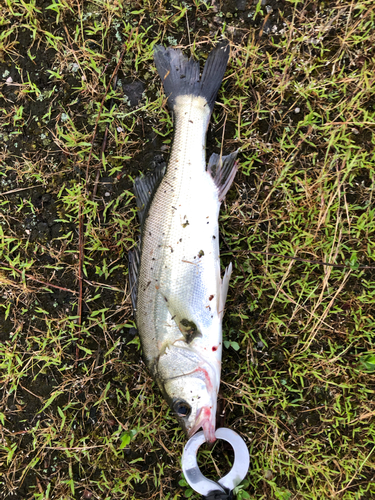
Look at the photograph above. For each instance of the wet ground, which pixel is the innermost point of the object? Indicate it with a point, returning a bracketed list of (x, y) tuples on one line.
[(80, 416)]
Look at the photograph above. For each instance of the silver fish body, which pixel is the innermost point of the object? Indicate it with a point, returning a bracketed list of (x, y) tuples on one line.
[(180, 295)]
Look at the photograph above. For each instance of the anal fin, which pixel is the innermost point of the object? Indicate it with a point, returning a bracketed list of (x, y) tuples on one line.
[(134, 258)]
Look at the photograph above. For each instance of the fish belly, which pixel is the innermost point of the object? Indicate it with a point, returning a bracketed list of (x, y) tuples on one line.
[(179, 276)]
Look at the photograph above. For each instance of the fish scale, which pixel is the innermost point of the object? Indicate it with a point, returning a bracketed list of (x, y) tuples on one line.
[(178, 293)]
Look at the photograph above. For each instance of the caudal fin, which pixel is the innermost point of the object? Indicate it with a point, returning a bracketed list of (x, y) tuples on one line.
[(180, 75)]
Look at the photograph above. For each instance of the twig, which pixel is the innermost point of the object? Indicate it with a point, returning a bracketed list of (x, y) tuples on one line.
[(187, 26), (104, 143), (104, 285), (28, 276), (319, 262), (101, 107), (75, 448), (20, 189), (263, 25), (80, 276)]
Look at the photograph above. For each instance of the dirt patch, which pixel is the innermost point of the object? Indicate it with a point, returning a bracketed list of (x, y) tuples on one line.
[(80, 416)]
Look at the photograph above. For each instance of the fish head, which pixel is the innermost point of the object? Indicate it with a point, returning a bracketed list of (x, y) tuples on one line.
[(190, 380), (193, 399)]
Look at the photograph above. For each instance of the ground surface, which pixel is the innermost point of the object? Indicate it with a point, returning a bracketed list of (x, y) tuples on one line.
[(80, 416)]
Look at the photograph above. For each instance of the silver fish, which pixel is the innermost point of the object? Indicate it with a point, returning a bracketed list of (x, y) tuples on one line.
[(177, 291)]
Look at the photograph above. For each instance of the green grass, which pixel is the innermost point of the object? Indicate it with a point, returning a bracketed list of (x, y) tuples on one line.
[(79, 414)]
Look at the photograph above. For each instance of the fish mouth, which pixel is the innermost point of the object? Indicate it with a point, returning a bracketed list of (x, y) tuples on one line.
[(206, 419)]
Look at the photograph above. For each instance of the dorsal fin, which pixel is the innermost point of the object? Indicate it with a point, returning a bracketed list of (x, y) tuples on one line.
[(223, 170), (145, 188)]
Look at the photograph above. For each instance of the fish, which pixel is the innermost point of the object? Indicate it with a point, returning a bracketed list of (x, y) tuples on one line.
[(177, 292)]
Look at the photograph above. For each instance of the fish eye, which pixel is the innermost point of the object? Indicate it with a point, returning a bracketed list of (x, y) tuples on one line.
[(182, 408)]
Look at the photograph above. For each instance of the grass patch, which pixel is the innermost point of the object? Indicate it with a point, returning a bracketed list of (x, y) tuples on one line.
[(80, 416)]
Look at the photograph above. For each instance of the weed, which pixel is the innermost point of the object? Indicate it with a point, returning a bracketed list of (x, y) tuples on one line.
[(80, 416)]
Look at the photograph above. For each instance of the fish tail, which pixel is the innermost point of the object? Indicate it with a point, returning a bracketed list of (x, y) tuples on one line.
[(181, 76)]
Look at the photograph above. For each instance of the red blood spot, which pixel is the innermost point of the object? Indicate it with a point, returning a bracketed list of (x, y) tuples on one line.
[(211, 297), (214, 348), (207, 412)]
